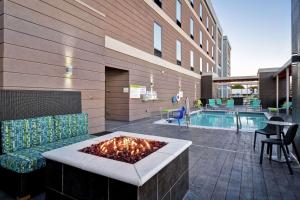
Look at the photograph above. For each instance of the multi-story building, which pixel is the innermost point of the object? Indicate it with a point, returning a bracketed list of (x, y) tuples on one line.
[(226, 66), (226, 57), (116, 53)]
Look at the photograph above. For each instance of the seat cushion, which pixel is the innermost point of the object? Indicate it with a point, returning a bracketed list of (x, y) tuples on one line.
[(23, 161), (26, 133), (28, 160), (62, 143), (42, 130), (15, 135), (67, 126)]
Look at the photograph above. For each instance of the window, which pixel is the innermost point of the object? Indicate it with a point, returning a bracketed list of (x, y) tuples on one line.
[(207, 23), (212, 31), (157, 40), (178, 13), (192, 3), (207, 49), (192, 60), (201, 64), (212, 52), (200, 11), (201, 38), (207, 67), (158, 2), (192, 28), (178, 52)]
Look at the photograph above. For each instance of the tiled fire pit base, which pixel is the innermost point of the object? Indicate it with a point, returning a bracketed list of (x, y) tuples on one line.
[(163, 174)]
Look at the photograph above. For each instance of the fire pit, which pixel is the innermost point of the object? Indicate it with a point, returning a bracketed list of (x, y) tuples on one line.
[(125, 149), (119, 165)]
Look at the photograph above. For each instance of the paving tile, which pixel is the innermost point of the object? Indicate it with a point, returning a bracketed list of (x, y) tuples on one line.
[(222, 164)]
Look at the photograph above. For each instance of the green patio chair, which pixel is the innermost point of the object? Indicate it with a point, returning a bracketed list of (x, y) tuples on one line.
[(212, 104), (230, 104), (284, 106), (219, 102), (255, 104)]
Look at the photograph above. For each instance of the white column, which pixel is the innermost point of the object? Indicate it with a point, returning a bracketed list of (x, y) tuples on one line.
[(287, 89), (222, 90), (277, 92)]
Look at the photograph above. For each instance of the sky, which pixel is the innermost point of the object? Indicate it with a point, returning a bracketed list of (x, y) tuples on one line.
[(259, 32)]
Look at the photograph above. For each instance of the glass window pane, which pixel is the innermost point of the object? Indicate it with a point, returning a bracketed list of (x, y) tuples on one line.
[(207, 45), (200, 10), (192, 58), (191, 26), (207, 22), (201, 64), (178, 10), (157, 37), (178, 50), (201, 38)]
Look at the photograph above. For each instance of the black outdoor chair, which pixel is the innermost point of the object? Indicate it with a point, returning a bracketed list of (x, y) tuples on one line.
[(287, 140), (269, 130)]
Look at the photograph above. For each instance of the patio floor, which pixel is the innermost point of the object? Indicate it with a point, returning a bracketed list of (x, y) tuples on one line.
[(223, 164)]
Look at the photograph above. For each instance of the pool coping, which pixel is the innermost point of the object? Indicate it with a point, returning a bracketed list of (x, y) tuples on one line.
[(164, 122)]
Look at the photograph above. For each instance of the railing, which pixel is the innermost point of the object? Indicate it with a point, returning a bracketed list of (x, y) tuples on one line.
[(238, 122)]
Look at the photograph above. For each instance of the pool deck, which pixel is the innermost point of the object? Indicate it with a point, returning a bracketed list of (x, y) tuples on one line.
[(223, 164)]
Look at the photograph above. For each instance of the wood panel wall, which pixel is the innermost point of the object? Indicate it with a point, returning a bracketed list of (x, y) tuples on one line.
[(1, 42), (42, 37)]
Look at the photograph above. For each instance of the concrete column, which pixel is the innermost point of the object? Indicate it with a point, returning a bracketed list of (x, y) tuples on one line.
[(295, 7), (277, 92), (222, 90), (287, 88)]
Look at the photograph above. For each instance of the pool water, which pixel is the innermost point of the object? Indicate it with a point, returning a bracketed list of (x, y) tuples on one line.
[(227, 120)]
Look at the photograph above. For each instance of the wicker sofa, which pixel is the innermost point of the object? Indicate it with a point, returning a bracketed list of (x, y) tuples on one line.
[(23, 142)]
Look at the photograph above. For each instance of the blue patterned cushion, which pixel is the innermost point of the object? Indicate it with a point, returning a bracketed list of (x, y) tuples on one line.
[(15, 135), (82, 120), (42, 130), (26, 133), (67, 126), (62, 143), (28, 160), (23, 161)]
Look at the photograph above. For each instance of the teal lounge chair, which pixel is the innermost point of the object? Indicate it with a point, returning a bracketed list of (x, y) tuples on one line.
[(219, 102), (255, 104), (283, 107), (230, 104), (212, 104)]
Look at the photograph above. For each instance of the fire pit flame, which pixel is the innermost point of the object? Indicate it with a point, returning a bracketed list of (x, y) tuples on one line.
[(123, 148)]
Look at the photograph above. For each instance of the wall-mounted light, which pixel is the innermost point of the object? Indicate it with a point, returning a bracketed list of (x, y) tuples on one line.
[(69, 71)]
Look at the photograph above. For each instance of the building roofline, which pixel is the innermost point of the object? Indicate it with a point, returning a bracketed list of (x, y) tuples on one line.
[(235, 79), (281, 69), (225, 37), (213, 12), (274, 69)]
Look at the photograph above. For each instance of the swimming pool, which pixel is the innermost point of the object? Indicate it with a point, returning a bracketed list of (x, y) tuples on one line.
[(224, 120)]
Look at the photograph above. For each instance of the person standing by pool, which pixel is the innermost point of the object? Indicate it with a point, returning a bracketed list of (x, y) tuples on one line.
[(187, 112)]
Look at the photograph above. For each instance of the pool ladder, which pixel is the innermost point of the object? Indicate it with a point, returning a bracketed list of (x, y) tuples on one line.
[(238, 122)]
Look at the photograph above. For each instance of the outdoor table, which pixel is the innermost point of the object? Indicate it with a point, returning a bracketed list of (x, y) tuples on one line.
[(278, 124)]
